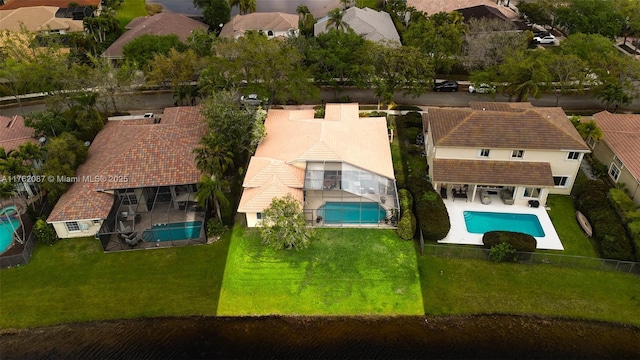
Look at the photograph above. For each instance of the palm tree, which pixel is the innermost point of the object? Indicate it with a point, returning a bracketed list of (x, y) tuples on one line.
[(212, 158), (345, 3), (210, 188), (589, 129), (335, 20), (244, 6), (613, 93)]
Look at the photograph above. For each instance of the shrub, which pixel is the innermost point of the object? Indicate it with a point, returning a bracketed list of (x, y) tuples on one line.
[(45, 233), (634, 232), (406, 200), (432, 216), (407, 225), (518, 241), (215, 228), (589, 186), (502, 252), (413, 120), (621, 202)]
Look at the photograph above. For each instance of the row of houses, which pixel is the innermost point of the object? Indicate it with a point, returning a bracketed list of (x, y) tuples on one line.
[(140, 174)]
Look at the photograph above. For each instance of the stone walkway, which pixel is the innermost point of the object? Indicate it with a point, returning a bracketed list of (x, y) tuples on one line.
[(586, 168)]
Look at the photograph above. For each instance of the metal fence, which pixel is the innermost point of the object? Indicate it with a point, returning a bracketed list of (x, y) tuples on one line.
[(463, 252), (22, 258)]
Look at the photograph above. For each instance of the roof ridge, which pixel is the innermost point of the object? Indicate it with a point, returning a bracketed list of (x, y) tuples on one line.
[(548, 119), (460, 123)]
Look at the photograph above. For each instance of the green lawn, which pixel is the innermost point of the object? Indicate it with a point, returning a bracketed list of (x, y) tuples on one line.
[(466, 286), (74, 281), (573, 239), (343, 272), (129, 10)]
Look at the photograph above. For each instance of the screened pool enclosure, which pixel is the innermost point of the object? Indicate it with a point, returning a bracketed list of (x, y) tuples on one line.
[(339, 194)]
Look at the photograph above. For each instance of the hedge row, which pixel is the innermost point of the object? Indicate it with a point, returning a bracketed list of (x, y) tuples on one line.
[(412, 119), (593, 202), (630, 215), (519, 241), (407, 223), (433, 218)]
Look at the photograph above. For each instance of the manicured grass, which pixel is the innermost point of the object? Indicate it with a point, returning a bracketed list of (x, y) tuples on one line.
[(466, 286), (573, 239), (343, 272), (129, 10), (74, 281), (373, 4)]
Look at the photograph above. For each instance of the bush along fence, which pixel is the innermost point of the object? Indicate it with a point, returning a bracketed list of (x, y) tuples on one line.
[(530, 258)]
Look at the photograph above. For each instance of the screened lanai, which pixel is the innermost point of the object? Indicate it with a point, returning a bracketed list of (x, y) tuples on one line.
[(154, 217), (340, 194)]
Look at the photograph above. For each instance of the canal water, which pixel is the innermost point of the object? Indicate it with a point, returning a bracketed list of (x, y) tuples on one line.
[(318, 8), (481, 336)]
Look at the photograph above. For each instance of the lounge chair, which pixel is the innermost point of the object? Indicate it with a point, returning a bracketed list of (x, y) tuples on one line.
[(507, 197), (485, 199), (133, 239)]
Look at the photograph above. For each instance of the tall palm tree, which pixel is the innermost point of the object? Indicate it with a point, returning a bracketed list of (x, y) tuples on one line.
[(213, 161), (210, 188), (590, 129), (244, 6), (302, 11), (335, 20)]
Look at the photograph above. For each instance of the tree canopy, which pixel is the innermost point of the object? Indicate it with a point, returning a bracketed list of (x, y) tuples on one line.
[(283, 225)]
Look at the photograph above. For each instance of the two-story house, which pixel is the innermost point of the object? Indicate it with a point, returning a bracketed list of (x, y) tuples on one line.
[(520, 152)]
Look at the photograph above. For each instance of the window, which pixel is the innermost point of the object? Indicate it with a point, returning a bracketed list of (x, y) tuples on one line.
[(484, 153), (618, 162), (270, 33), (72, 226), (259, 216), (573, 155), (517, 154), (591, 142), (614, 172), (96, 221), (532, 192), (560, 181)]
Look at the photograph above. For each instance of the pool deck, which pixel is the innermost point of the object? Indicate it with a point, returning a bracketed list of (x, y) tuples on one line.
[(459, 235)]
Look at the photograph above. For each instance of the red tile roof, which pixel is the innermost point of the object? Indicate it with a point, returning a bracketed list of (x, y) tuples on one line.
[(488, 172), (622, 134), (14, 133), (504, 126), (15, 4), (146, 154)]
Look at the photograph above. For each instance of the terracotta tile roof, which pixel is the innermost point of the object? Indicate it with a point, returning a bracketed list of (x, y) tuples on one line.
[(295, 137), (489, 172), (14, 133), (265, 21), (15, 4), (147, 154), (435, 6), (38, 18), (521, 126), (622, 134), (159, 24)]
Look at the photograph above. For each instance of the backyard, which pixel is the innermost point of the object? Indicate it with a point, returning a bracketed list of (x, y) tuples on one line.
[(129, 10)]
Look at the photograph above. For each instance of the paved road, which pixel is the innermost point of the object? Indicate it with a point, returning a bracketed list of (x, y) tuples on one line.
[(153, 101)]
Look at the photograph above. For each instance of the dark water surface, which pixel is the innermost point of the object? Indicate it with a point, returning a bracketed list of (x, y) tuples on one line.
[(318, 8), (481, 336)]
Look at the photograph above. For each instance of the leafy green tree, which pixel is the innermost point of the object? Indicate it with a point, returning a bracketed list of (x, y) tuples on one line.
[(336, 20), (589, 129), (283, 225), (305, 21), (103, 30), (537, 12), (113, 83), (64, 154), (502, 252), (214, 12), (613, 94), (201, 42), (439, 36), (144, 48), (403, 69), (489, 40), (45, 233), (568, 74), (592, 17), (175, 68)]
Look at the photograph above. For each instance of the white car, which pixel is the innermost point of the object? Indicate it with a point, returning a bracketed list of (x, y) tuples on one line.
[(547, 39), (482, 89), (252, 99)]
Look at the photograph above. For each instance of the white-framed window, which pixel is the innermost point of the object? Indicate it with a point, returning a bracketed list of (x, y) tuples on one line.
[(72, 226), (484, 153), (573, 155), (259, 216), (517, 154), (591, 142), (560, 181), (618, 162), (614, 172), (532, 192)]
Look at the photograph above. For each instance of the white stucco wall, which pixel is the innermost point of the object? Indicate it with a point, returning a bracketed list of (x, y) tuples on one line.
[(62, 232)]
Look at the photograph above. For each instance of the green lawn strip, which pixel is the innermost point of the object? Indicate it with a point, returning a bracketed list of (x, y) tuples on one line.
[(573, 239), (74, 281), (342, 272), (466, 286), (129, 10)]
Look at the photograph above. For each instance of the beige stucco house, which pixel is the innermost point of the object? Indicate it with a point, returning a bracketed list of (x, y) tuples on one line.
[(619, 150), (134, 169), (516, 150), (272, 24), (338, 168), (40, 19)]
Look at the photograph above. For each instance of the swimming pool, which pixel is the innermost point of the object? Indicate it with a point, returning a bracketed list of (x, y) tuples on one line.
[(351, 213), (480, 222), (6, 233), (173, 231)]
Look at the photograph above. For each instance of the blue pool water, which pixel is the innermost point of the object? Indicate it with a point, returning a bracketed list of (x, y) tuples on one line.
[(6, 233), (351, 213), (173, 231), (480, 222)]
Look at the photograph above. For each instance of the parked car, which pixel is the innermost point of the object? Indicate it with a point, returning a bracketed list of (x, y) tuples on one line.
[(540, 33), (251, 99), (482, 89), (547, 39), (447, 85)]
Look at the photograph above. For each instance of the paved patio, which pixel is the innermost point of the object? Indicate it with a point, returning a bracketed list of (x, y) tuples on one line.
[(459, 235)]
